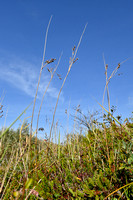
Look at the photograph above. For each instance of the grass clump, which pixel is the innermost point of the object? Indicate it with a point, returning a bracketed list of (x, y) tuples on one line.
[(94, 164), (90, 172)]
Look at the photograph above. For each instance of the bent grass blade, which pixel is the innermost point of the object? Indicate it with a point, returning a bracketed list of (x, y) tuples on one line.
[(15, 121)]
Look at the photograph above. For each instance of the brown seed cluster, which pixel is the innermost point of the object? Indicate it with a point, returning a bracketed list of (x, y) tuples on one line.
[(1, 111), (50, 61)]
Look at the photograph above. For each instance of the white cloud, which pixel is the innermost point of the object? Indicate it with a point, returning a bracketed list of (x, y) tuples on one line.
[(24, 76)]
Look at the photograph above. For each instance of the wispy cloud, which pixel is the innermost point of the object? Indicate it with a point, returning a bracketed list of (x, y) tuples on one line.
[(130, 100), (24, 76)]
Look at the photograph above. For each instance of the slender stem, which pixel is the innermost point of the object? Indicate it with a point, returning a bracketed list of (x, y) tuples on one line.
[(42, 66), (45, 93), (65, 80)]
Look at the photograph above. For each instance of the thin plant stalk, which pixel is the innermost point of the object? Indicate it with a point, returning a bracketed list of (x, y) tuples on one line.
[(59, 147), (45, 93), (108, 98), (129, 184), (52, 75), (106, 68), (3, 128), (70, 66), (112, 75), (15, 121), (74, 138), (7, 170), (18, 159), (32, 190), (2, 97), (42, 66), (107, 82)]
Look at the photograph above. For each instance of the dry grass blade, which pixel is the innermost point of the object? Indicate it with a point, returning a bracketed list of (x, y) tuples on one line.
[(129, 184), (7, 170), (45, 93), (108, 79), (42, 66), (15, 159), (106, 68), (33, 191), (65, 80)]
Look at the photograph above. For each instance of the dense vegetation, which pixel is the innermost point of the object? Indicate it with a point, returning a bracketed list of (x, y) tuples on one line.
[(95, 163), (89, 166)]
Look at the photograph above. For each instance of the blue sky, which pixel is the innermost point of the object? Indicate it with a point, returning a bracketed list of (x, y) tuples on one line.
[(23, 25)]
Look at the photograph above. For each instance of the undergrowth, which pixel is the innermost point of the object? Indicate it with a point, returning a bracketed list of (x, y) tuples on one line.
[(82, 167)]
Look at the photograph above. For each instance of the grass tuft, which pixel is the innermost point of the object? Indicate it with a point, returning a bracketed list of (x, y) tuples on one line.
[(95, 163)]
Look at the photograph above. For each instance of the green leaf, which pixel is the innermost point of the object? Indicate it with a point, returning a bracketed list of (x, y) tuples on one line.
[(71, 191), (130, 160)]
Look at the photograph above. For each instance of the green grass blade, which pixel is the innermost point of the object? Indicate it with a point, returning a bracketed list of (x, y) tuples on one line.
[(4, 153), (15, 121), (59, 146)]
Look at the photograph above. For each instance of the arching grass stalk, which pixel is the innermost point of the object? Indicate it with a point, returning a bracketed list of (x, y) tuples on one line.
[(52, 75), (45, 93), (106, 68), (107, 82), (129, 184), (108, 79), (14, 121), (70, 66), (42, 66)]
